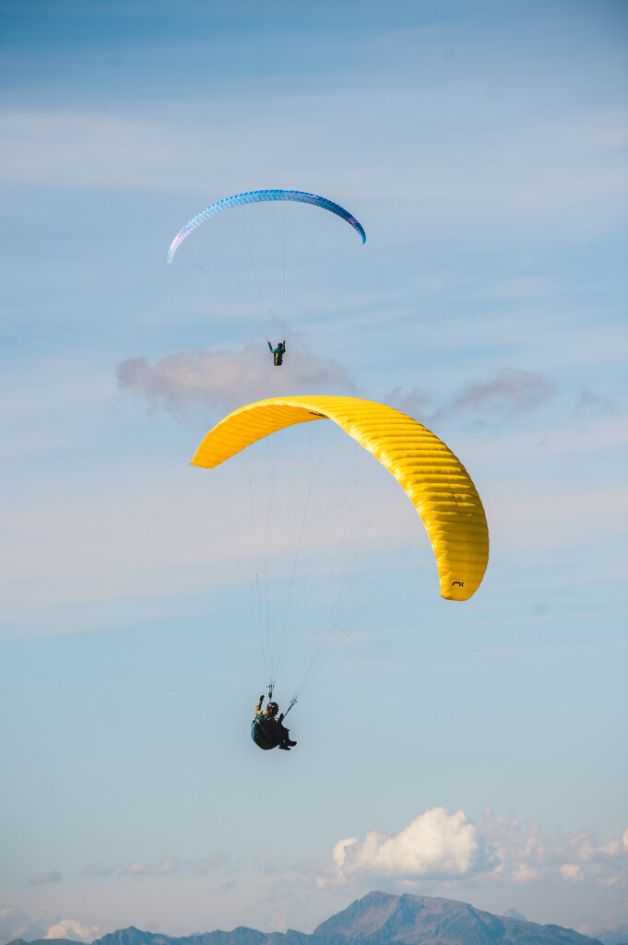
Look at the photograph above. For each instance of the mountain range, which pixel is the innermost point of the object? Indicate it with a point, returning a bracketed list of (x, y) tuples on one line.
[(376, 919)]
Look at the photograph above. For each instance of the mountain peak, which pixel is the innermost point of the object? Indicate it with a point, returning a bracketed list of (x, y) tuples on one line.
[(382, 919), (361, 918)]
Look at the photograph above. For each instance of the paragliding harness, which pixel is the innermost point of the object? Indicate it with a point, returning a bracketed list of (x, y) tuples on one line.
[(268, 732), (278, 353)]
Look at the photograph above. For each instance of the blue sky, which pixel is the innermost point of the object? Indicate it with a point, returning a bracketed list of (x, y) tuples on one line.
[(474, 751)]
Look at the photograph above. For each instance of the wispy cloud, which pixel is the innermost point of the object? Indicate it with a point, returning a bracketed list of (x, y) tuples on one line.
[(574, 182), (512, 391), (222, 380), (42, 879), (90, 150), (592, 404), (503, 396), (219, 381), (167, 866)]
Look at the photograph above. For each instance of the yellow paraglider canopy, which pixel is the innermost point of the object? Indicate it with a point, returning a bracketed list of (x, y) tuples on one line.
[(433, 478)]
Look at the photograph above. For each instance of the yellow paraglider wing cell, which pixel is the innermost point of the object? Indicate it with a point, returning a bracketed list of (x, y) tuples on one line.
[(433, 478)]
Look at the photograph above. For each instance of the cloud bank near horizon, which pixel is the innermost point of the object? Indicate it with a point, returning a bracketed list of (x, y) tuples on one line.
[(16, 923), (438, 845)]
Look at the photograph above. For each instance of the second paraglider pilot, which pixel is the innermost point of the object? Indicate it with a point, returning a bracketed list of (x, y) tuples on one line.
[(278, 353)]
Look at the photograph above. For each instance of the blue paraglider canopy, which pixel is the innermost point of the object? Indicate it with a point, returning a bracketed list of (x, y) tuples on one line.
[(262, 196)]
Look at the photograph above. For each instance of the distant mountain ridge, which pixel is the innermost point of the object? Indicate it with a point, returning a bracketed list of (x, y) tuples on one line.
[(376, 919)]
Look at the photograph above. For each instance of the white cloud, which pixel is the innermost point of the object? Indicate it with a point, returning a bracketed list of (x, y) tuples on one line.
[(166, 866), (435, 843), (571, 871), (223, 380), (72, 929)]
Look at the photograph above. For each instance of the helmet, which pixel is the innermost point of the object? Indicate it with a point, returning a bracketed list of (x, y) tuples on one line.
[(272, 708)]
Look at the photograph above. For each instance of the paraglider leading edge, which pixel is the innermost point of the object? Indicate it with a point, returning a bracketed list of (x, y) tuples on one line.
[(263, 196)]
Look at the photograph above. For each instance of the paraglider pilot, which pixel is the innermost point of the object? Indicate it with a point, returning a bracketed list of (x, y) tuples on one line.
[(268, 730), (278, 352)]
